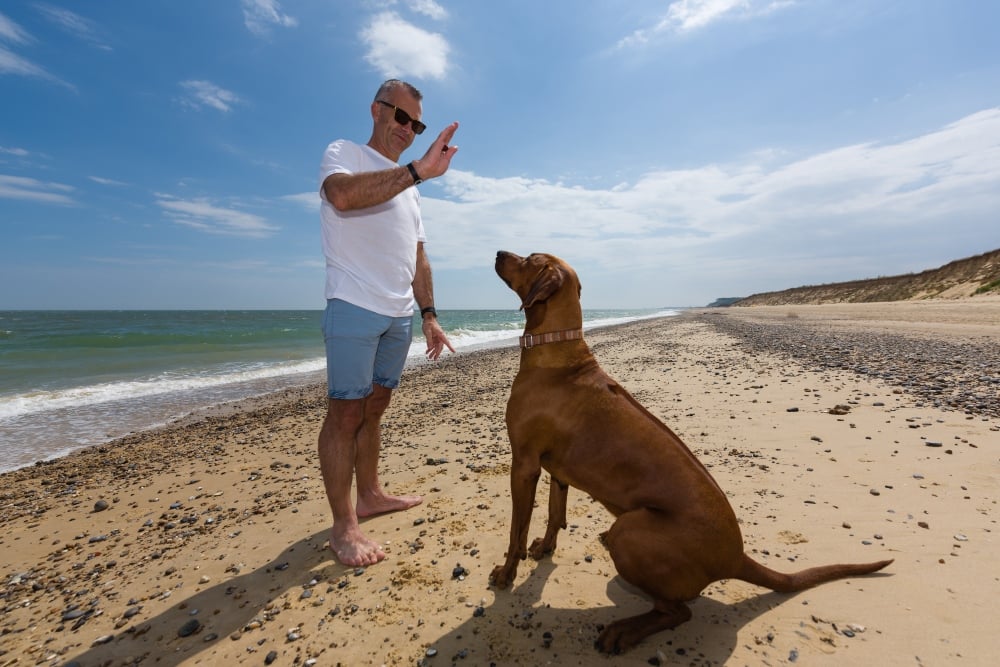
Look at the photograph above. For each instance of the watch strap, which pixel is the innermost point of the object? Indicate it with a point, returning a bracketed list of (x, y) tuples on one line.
[(413, 172)]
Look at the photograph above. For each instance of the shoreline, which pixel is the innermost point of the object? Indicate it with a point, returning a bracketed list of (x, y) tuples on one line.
[(218, 526), (53, 421)]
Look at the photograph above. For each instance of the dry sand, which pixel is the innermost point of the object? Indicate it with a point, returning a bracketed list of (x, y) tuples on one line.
[(218, 527)]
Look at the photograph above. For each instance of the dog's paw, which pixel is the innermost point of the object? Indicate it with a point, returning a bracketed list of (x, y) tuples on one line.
[(614, 641), (502, 576), (541, 548)]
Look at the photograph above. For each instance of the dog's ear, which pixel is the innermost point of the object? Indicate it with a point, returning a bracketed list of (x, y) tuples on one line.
[(548, 281)]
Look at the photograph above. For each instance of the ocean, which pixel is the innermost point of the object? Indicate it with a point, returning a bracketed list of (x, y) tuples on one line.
[(71, 379)]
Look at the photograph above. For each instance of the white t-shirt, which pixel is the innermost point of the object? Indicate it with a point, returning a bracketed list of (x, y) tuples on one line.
[(371, 253)]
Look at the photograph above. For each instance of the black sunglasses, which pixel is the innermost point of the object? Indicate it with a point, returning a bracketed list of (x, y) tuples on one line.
[(403, 118)]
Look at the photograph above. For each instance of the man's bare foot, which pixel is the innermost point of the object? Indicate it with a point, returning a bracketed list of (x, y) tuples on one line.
[(383, 504), (354, 549)]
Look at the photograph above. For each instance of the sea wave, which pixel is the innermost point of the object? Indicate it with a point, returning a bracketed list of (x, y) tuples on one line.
[(165, 383), (43, 423)]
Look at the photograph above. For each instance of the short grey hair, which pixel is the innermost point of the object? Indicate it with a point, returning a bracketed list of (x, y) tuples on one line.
[(392, 84)]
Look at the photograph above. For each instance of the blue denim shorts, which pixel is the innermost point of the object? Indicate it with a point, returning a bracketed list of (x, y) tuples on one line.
[(362, 348)]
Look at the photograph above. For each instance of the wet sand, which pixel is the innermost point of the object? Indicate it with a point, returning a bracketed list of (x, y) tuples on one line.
[(204, 543)]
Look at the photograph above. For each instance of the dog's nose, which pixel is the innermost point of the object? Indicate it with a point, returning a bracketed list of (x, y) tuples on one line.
[(501, 254)]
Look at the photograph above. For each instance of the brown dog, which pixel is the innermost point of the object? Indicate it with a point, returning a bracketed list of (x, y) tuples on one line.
[(674, 532)]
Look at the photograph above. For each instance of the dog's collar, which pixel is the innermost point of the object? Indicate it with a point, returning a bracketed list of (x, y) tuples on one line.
[(533, 340)]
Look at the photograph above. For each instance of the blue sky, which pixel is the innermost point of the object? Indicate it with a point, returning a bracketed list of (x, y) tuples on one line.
[(164, 153)]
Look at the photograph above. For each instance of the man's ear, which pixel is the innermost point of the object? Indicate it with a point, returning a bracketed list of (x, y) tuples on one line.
[(549, 280)]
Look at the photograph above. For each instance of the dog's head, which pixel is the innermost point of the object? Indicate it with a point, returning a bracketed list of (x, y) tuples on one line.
[(546, 285)]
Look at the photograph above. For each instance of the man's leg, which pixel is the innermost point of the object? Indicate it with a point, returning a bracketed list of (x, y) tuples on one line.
[(372, 499), (352, 336), (338, 457)]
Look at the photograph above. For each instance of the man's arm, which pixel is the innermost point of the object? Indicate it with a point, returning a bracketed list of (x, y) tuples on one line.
[(423, 292), (423, 283), (348, 192)]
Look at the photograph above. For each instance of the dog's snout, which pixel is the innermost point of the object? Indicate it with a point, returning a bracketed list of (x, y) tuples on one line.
[(500, 266)]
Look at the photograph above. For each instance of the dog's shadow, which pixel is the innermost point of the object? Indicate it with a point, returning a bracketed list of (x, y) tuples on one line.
[(519, 628)]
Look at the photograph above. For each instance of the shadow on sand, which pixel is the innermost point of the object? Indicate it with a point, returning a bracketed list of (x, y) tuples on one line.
[(221, 610), (519, 629)]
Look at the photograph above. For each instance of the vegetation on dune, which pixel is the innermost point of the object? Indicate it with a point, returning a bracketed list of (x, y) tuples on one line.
[(993, 286), (967, 277)]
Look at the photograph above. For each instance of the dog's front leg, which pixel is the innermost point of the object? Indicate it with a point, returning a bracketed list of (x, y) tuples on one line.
[(524, 476), (557, 519)]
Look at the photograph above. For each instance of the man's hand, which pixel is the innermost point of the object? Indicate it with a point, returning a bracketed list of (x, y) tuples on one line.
[(436, 338), (437, 159)]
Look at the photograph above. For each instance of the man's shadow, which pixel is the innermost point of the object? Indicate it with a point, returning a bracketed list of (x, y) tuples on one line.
[(517, 629), (222, 610)]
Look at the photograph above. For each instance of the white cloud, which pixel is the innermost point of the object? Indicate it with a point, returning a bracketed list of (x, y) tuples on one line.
[(260, 15), (106, 181), (205, 216), (30, 189), (12, 32), (207, 94), (73, 23), (429, 8), (855, 199), (19, 152), (307, 200), (690, 15), (398, 48), (144, 261), (12, 63)]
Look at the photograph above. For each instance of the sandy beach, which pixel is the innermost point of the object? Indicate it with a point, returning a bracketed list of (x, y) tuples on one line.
[(840, 433)]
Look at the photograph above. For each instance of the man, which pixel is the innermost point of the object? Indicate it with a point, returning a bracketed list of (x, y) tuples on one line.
[(376, 267)]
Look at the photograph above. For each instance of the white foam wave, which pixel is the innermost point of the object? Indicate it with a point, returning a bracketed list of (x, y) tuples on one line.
[(74, 397), (465, 339), (611, 321)]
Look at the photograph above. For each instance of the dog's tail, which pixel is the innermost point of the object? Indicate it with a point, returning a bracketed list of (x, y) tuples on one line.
[(755, 573)]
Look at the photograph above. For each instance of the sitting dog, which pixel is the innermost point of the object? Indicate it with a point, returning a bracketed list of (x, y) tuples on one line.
[(674, 531)]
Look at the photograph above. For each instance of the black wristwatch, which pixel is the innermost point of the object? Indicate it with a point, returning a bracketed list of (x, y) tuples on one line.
[(413, 172), (428, 309)]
